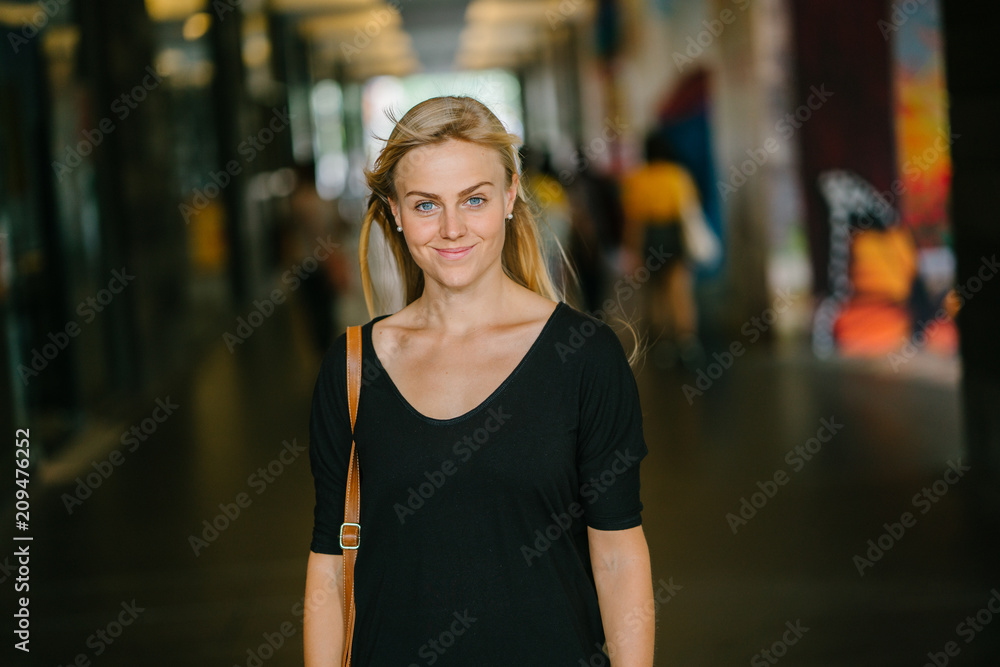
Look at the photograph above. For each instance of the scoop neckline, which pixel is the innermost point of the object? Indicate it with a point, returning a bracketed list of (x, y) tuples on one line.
[(367, 338)]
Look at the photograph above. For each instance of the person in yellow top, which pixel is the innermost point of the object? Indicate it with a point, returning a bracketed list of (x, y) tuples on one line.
[(661, 207)]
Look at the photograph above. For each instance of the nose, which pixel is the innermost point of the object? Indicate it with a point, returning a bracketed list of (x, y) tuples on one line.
[(452, 224)]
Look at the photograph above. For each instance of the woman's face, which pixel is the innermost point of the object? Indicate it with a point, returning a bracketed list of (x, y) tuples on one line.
[(451, 202)]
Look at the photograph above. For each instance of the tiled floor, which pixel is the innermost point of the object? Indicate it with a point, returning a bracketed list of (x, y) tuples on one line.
[(128, 554)]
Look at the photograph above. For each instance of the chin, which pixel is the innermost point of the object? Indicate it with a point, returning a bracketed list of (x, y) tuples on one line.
[(455, 280), (456, 276)]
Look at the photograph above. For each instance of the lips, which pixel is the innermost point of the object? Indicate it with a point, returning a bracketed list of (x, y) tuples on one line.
[(454, 253)]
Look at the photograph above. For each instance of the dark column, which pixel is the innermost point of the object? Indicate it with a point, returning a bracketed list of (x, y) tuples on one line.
[(140, 228), (230, 107), (840, 49), (971, 53), (33, 305)]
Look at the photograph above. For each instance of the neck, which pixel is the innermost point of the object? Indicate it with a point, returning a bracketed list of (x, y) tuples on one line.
[(458, 312)]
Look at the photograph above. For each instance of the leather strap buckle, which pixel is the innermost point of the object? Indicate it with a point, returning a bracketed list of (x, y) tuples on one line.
[(354, 536)]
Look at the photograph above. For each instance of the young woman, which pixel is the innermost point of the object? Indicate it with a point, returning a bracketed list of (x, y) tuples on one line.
[(499, 433)]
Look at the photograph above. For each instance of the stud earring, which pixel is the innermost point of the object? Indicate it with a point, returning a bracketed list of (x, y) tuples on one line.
[(398, 228), (510, 216)]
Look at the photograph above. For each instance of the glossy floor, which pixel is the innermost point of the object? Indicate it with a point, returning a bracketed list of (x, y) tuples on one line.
[(825, 455)]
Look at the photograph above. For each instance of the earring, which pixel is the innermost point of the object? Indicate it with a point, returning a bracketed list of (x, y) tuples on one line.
[(398, 228), (510, 216)]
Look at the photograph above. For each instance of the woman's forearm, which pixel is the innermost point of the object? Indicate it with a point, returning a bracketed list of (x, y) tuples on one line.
[(324, 611), (625, 593)]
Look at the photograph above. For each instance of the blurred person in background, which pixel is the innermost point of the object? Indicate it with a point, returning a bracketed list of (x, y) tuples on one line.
[(595, 205), (504, 405), (553, 212), (665, 229)]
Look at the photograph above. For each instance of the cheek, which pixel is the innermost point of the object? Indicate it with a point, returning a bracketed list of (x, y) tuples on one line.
[(417, 233), (485, 225), (496, 225), (419, 229)]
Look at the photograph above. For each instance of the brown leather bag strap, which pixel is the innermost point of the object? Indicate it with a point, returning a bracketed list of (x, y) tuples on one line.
[(350, 531)]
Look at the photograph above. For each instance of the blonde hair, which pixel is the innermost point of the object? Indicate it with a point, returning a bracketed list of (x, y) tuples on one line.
[(435, 121)]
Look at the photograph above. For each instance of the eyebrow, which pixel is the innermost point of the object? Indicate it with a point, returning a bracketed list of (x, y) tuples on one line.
[(464, 192)]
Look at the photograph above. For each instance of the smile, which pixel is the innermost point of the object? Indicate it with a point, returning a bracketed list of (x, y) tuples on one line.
[(454, 253)]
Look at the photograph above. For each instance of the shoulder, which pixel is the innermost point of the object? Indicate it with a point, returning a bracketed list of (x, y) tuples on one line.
[(590, 355), (585, 338), (334, 363)]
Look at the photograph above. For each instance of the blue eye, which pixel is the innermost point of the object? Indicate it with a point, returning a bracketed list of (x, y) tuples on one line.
[(425, 206), (476, 201)]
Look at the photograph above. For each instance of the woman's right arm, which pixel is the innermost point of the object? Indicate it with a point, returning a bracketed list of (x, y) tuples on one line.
[(324, 610)]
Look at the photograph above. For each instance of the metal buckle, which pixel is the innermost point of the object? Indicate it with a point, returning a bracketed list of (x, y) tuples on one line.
[(357, 537)]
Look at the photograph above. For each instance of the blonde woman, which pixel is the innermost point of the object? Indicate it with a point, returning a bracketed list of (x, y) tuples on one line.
[(499, 434)]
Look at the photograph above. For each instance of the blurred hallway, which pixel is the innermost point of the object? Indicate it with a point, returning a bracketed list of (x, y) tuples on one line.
[(730, 596), (823, 484)]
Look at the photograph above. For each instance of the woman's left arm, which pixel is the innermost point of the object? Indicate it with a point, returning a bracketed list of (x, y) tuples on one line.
[(622, 572)]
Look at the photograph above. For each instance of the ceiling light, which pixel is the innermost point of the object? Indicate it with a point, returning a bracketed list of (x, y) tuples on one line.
[(196, 26), (173, 10)]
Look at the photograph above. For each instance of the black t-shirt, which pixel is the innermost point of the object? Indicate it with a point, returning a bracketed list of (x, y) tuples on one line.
[(474, 529)]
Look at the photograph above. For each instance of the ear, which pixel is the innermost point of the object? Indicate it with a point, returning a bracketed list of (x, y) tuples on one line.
[(511, 194), (394, 206)]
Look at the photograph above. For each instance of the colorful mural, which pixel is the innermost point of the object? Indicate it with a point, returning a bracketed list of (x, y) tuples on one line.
[(922, 137), (889, 265)]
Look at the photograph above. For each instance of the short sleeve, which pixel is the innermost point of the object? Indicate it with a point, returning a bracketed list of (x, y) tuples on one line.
[(610, 442), (330, 448)]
